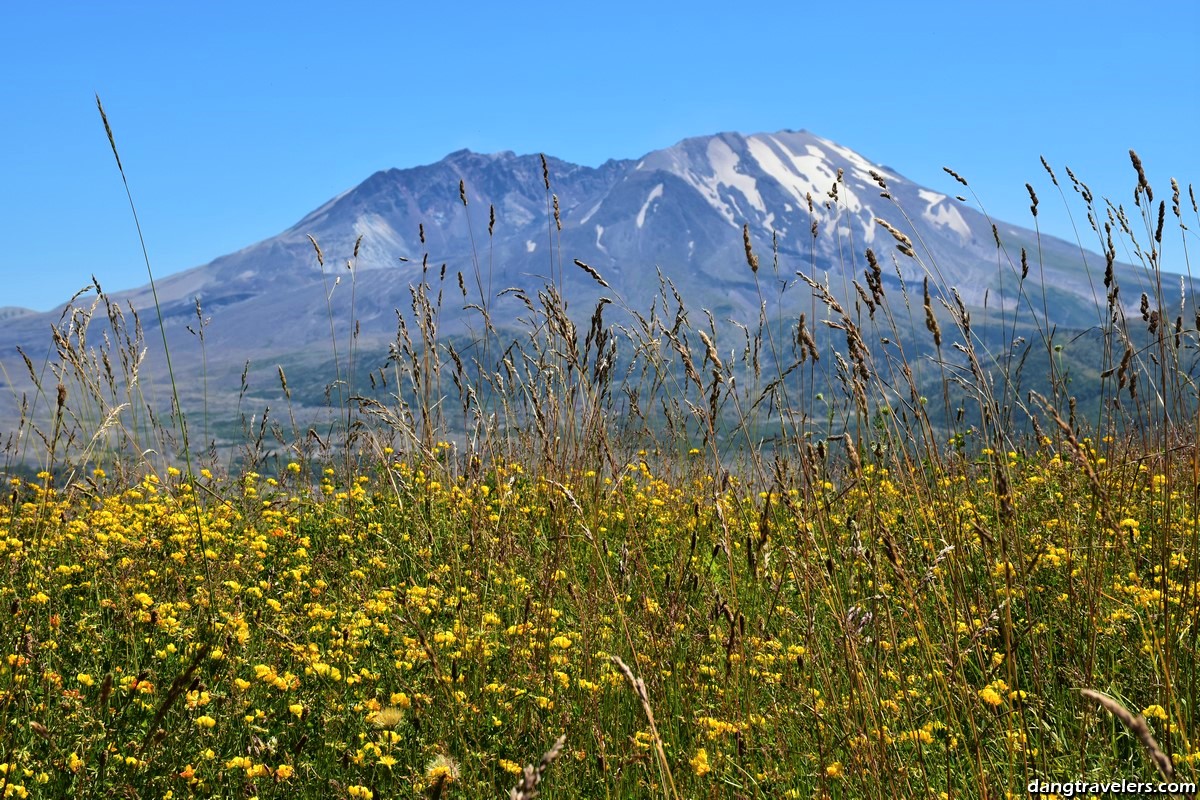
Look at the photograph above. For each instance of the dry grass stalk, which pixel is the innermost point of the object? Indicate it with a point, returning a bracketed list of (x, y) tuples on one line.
[(590, 271), (751, 259), (955, 175), (317, 247), (895, 232), (1046, 166), (1136, 725), (178, 687), (805, 340), (931, 322), (639, 687), (710, 352), (532, 776), (1143, 184), (823, 294)]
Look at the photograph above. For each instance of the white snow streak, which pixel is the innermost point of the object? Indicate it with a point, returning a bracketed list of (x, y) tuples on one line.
[(941, 212), (810, 173), (800, 176), (655, 193), (860, 166), (588, 215), (376, 232), (724, 161)]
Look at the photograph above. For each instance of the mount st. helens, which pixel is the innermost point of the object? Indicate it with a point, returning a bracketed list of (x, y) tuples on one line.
[(810, 205)]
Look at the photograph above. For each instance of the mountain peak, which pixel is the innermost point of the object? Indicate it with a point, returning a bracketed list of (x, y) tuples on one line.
[(468, 155), (812, 203)]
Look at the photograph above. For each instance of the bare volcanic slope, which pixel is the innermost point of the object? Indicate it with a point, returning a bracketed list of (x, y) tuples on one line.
[(809, 204)]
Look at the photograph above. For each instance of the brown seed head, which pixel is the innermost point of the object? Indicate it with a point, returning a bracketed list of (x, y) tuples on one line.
[(1136, 725), (955, 175), (931, 322), (751, 259), (317, 247), (1049, 171), (595, 275), (1143, 184)]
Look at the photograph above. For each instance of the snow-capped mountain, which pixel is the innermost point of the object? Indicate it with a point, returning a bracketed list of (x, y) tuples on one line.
[(810, 204)]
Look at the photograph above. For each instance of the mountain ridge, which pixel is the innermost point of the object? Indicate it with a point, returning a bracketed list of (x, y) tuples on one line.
[(809, 203)]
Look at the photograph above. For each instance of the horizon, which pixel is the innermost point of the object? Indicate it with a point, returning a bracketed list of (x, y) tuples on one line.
[(233, 123)]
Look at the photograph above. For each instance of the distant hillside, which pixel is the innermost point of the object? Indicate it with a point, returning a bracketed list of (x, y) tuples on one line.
[(11, 312)]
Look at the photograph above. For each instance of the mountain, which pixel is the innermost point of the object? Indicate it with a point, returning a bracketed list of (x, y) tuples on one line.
[(808, 202)]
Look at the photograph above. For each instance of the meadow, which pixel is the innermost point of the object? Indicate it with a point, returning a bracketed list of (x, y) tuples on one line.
[(859, 555)]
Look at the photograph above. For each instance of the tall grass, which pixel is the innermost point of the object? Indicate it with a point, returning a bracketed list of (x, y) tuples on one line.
[(875, 548)]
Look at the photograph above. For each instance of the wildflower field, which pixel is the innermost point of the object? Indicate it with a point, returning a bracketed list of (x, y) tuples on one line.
[(894, 579)]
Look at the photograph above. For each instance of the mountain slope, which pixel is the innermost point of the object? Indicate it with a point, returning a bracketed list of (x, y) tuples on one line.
[(810, 202)]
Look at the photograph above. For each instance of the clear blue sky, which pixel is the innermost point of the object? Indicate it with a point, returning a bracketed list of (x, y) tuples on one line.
[(236, 119)]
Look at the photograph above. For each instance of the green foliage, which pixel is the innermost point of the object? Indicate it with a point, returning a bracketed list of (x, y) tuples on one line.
[(875, 552)]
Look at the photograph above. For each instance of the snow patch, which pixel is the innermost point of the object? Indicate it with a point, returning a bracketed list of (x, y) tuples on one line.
[(724, 161), (869, 229), (814, 172), (375, 229), (940, 212), (599, 233), (589, 214), (859, 165), (655, 193), (800, 175), (811, 172), (530, 246), (515, 214)]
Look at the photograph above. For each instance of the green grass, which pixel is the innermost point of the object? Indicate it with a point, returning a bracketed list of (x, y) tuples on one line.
[(887, 573)]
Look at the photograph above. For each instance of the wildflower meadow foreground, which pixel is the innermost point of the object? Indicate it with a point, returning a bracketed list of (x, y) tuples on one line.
[(859, 557), (406, 631)]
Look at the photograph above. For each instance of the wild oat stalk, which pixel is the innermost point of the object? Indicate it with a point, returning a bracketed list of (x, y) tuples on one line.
[(187, 450), (639, 687), (532, 776), (1138, 727)]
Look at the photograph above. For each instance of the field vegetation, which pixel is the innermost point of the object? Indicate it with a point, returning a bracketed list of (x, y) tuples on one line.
[(870, 544)]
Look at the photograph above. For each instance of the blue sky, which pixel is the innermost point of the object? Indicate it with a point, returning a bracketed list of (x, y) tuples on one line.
[(236, 119)]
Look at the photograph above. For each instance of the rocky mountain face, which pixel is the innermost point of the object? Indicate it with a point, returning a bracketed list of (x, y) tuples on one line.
[(808, 204)]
